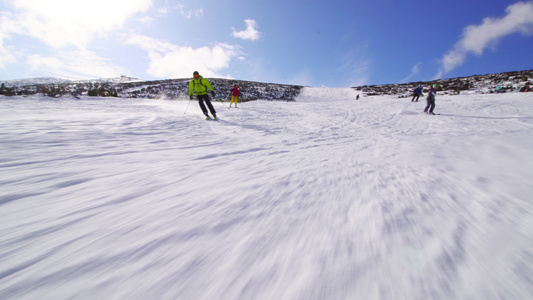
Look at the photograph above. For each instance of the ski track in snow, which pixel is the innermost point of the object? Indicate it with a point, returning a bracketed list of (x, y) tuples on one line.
[(322, 198)]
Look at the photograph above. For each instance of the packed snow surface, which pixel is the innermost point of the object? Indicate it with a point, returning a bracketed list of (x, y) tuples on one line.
[(322, 198)]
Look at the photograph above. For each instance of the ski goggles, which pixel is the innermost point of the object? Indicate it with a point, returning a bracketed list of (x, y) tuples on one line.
[(196, 76)]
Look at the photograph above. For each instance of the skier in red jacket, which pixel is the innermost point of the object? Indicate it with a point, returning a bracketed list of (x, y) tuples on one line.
[(235, 95)]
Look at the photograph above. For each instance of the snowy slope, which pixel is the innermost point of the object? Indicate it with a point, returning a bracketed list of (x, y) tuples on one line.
[(322, 198)]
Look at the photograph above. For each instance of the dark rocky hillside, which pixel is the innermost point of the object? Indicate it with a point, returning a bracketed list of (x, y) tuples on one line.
[(158, 89), (509, 82), (179, 88), (126, 87)]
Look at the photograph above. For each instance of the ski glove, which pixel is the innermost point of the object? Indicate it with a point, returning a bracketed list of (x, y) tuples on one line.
[(190, 97), (213, 93)]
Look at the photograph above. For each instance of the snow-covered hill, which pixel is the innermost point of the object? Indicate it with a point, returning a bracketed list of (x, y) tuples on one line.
[(127, 87), (179, 89), (324, 197), (20, 83), (508, 81)]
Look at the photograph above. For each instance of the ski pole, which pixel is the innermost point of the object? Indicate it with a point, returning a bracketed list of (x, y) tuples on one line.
[(227, 99), (222, 103), (187, 106)]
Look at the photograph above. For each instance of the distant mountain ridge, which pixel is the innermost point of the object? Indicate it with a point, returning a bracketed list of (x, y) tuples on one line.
[(508, 81), (34, 81), (129, 87), (55, 80)]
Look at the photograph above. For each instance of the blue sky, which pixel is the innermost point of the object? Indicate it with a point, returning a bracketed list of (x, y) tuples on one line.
[(314, 43)]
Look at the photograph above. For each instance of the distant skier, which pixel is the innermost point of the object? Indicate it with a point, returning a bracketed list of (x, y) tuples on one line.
[(431, 100), (357, 98), (417, 93), (235, 95), (200, 85)]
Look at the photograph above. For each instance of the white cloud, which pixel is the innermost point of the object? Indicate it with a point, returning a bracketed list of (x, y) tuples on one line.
[(250, 33), (359, 73), (304, 78), (7, 26), (414, 71), (61, 23), (5, 56), (163, 12), (37, 62), (188, 13), (476, 38), (146, 20), (171, 61), (356, 63), (80, 64)]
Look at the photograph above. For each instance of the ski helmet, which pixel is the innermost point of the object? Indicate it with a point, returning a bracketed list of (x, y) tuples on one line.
[(195, 73), (436, 86)]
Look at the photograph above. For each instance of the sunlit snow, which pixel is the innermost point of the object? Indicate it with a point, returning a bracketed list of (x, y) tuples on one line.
[(322, 198)]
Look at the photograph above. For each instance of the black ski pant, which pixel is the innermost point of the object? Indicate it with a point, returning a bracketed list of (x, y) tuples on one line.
[(431, 105), (201, 99), (415, 96)]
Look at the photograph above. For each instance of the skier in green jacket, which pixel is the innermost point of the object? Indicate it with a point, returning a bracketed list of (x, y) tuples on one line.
[(200, 85)]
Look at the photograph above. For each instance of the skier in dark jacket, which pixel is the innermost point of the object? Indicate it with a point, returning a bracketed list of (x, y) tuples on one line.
[(200, 85), (431, 100), (417, 93)]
